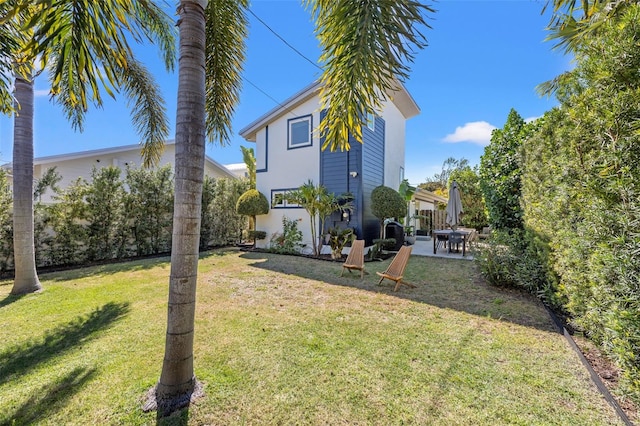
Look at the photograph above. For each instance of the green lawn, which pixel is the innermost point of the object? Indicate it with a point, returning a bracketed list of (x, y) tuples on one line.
[(285, 340)]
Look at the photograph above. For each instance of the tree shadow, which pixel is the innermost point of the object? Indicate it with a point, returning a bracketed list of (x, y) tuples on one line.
[(19, 359), (114, 266), (444, 283), (50, 398), (10, 299)]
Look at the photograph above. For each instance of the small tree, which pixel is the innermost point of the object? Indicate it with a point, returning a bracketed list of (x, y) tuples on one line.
[(252, 203), (406, 191), (319, 203), (387, 203)]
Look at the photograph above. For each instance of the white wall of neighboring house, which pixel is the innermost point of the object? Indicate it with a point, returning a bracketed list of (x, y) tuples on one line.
[(80, 164)]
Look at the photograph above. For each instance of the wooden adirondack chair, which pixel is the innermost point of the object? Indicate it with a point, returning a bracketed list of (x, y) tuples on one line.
[(355, 258), (395, 271)]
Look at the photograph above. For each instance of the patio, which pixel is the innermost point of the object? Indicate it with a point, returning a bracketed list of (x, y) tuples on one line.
[(424, 247)]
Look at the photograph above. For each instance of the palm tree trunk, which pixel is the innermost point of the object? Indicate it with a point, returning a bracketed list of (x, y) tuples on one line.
[(26, 277), (177, 381)]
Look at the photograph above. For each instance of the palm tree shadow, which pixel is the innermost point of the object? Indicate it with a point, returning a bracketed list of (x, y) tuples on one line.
[(19, 359), (50, 398), (10, 299)]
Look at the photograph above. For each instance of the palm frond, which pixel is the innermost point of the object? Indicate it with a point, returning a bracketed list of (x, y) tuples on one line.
[(226, 31), (572, 23), (367, 47), (149, 113)]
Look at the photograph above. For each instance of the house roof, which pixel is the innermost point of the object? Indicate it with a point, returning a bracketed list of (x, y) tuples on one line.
[(108, 151), (400, 97)]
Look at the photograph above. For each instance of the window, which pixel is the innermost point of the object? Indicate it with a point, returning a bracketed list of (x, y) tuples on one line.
[(371, 121), (299, 134), (279, 201)]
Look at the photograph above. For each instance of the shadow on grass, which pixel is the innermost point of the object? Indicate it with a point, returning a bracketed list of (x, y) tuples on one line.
[(445, 283), (114, 266), (10, 299), (50, 398), (18, 360)]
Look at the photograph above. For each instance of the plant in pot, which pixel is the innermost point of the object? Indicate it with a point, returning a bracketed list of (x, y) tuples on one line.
[(338, 239), (409, 237)]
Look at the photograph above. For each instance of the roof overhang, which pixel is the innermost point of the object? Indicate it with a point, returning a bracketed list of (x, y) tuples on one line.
[(398, 95)]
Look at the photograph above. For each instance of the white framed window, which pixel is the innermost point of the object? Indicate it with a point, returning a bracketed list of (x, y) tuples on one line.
[(279, 201), (371, 121), (299, 132)]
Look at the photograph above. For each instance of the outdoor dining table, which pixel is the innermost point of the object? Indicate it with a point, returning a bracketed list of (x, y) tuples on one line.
[(447, 232)]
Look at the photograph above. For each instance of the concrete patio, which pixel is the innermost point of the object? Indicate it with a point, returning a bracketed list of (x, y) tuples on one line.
[(424, 247)]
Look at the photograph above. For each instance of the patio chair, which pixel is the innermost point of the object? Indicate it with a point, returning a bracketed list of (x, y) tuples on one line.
[(355, 258), (441, 239), (455, 238), (395, 270)]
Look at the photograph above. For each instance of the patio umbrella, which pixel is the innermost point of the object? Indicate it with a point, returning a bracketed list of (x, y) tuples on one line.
[(454, 206)]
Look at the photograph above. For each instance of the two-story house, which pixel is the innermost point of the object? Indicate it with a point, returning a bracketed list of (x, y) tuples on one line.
[(288, 154)]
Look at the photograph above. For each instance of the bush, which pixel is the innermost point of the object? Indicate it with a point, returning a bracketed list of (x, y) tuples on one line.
[(507, 260), (252, 203), (387, 202), (257, 235), (289, 241)]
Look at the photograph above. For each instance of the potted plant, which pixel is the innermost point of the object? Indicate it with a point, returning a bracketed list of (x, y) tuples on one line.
[(409, 237)]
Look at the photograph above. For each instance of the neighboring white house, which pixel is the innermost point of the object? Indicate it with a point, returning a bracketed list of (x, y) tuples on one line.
[(80, 164), (288, 154), (238, 169)]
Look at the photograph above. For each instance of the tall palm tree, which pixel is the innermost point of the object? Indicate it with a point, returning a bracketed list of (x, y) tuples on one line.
[(82, 47), (367, 45)]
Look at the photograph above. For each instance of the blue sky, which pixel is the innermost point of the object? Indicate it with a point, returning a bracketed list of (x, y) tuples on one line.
[(484, 58)]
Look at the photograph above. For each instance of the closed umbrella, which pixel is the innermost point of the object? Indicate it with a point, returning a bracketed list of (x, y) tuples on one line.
[(454, 206)]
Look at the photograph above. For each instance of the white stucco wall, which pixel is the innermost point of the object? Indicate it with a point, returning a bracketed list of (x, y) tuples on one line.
[(395, 131), (71, 168), (286, 169)]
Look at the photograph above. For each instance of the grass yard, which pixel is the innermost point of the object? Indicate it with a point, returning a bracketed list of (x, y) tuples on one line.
[(285, 340)]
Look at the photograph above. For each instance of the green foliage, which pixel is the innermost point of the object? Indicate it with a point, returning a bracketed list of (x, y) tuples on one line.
[(338, 239), (257, 235), (319, 203), (500, 173), (149, 209), (289, 241), (387, 203), (106, 215), (471, 196), (249, 159), (221, 224), (385, 243), (49, 180), (439, 182), (580, 192), (66, 220), (508, 260), (6, 223), (252, 203)]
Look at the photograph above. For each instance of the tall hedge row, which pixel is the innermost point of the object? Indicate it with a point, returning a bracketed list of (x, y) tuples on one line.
[(581, 193), (113, 216)]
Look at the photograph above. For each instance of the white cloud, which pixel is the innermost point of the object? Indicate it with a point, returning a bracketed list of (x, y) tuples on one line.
[(41, 93), (530, 119), (478, 132)]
